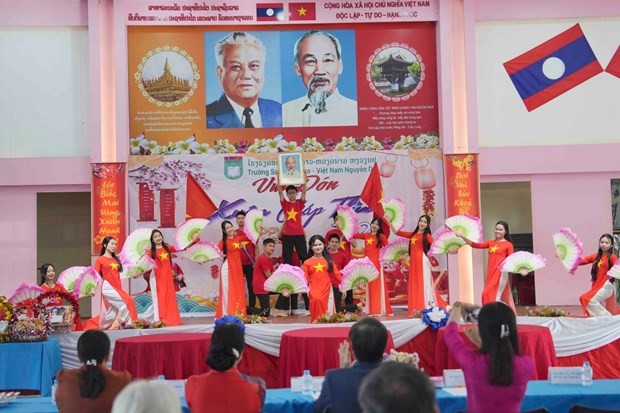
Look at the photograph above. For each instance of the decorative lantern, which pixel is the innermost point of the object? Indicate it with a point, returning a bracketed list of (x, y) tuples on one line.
[(424, 176), (387, 167)]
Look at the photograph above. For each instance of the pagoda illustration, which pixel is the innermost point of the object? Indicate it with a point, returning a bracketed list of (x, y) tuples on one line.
[(167, 87)]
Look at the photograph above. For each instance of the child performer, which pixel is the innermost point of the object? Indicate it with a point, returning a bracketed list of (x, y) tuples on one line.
[(377, 300), (232, 285), (263, 268), (420, 290), (293, 237), (600, 300), (117, 304), (497, 287), (319, 269), (341, 259)]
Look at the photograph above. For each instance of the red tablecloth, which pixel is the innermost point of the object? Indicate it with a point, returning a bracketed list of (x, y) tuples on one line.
[(176, 356), (534, 341), (315, 349)]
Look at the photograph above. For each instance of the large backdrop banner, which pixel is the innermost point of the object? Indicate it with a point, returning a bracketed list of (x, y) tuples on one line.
[(157, 199), (253, 89)]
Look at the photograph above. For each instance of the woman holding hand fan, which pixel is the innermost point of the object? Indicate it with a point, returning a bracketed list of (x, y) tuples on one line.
[(420, 292), (497, 287), (378, 301), (600, 300), (317, 270), (232, 283)]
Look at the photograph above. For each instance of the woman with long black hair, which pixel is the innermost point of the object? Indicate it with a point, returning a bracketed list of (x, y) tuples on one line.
[(117, 304), (93, 387), (232, 284), (496, 375), (317, 270), (600, 300), (165, 305)]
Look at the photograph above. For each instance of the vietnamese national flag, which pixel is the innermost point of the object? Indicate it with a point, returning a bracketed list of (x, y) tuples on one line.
[(199, 205), (372, 194), (614, 64), (302, 11), (553, 68), (269, 12)]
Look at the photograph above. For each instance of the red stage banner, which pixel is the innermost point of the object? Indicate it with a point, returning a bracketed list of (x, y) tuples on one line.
[(108, 204), (462, 184), (167, 208)]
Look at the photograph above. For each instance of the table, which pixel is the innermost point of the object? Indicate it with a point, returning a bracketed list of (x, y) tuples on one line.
[(314, 349), (534, 341), (603, 394), (30, 366), (176, 356)]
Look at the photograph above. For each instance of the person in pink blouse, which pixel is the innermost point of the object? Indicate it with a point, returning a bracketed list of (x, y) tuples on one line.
[(496, 375)]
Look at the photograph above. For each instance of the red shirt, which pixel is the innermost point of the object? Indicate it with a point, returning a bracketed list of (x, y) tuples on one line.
[(248, 246), (292, 212), (263, 264), (344, 244), (340, 260)]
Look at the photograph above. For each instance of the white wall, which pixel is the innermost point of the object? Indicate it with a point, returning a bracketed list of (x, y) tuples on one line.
[(44, 84)]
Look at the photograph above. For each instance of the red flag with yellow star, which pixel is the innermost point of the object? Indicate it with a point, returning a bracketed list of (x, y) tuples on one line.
[(372, 194), (302, 11), (199, 205)]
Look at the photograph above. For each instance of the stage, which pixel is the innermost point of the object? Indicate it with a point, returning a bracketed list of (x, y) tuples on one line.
[(573, 340)]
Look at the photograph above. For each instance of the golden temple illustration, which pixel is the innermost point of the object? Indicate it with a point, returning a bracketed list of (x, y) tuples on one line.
[(167, 87)]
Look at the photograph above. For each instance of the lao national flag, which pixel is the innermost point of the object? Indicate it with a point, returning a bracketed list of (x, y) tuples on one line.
[(614, 64), (302, 11), (269, 12), (553, 68)]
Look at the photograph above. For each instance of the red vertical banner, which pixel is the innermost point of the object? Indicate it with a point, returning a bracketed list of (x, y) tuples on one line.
[(167, 207), (462, 184), (108, 203), (146, 202)]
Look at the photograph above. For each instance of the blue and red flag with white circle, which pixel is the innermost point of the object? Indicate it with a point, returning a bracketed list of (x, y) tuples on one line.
[(553, 68)]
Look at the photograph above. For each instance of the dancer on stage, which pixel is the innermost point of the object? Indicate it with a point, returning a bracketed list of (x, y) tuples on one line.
[(117, 304), (377, 299), (263, 270), (420, 291), (232, 285), (48, 278), (164, 296), (319, 269), (345, 245), (601, 299), (497, 287), (293, 237), (341, 259), (248, 256)]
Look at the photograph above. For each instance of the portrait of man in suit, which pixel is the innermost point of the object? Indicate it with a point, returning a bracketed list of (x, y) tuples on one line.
[(319, 64), (240, 71)]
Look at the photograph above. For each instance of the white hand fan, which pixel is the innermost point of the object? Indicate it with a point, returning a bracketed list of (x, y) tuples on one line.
[(570, 249), (395, 250), (144, 264), (287, 279), (252, 224), (201, 252), (348, 222), (26, 291), (188, 231), (615, 270), (68, 277), (136, 244), (360, 270), (522, 261), (394, 212), (466, 226), (445, 242), (86, 284)]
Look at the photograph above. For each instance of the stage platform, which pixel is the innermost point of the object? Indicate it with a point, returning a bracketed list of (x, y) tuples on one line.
[(575, 340)]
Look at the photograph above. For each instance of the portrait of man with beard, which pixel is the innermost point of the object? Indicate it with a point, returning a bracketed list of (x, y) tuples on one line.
[(318, 61)]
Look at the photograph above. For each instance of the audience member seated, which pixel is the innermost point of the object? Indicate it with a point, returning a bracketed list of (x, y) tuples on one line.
[(496, 375), (147, 397), (93, 387), (397, 388), (224, 389), (339, 393)]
